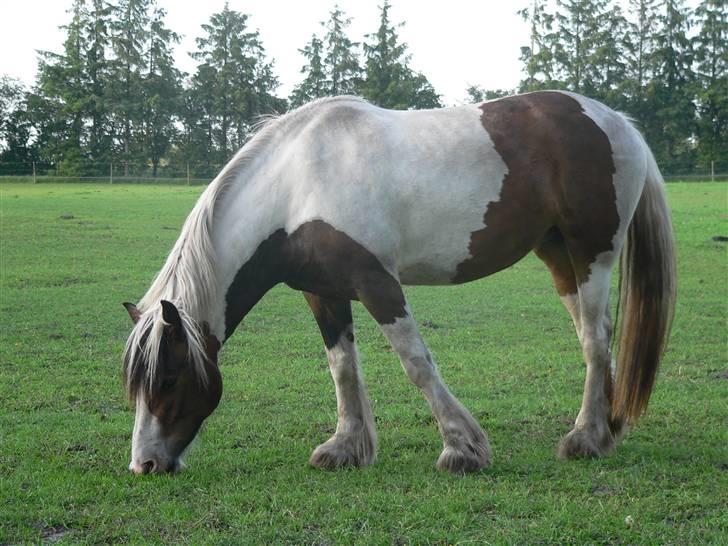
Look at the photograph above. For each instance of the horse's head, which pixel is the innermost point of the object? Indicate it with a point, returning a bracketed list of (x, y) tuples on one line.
[(171, 374)]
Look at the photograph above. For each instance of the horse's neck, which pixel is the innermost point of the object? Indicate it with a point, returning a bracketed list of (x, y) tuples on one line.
[(245, 220)]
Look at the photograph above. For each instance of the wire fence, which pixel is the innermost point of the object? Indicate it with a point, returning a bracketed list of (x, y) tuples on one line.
[(190, 174), (112, 172)]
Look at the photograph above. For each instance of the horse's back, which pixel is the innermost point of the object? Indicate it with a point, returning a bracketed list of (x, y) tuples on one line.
[(455, 194)]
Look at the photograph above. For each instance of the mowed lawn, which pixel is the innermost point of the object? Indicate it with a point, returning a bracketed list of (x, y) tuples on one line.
[(72, 253)]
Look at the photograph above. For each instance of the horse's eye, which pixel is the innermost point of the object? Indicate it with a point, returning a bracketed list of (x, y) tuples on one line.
[(169, 383)]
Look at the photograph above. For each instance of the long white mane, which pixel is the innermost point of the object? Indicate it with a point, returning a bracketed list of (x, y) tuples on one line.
[(188, 278)]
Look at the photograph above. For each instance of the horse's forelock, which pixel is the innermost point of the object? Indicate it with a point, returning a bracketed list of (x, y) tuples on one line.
[(142, 369)]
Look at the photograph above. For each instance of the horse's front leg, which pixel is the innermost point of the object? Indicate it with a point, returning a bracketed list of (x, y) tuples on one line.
[(466, 447), (354, 442)]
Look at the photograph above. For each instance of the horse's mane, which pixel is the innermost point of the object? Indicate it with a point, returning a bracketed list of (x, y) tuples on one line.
[(187, 278)]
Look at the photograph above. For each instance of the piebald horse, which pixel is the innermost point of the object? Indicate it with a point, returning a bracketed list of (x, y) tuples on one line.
[(345, 201)]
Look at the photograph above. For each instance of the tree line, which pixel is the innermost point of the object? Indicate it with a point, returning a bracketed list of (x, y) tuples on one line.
[(662, 63), (113, 95)]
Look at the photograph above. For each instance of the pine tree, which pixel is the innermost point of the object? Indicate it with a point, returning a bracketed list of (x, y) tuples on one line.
[(57, 104), (314, 84), (240, 80), (711, 84), (96, 34), (389, 82), (196, 143), (161, 88), (128, 37), (670, 102), (332, 64), (538, 57), (16, 153), (578, 37), (342, 62), (639, 45), (606, 68)]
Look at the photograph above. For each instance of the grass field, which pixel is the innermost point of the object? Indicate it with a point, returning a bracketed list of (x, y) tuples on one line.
[(72, 253)]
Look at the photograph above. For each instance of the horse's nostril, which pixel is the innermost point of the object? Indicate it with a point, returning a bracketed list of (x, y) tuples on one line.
[(147, 467)]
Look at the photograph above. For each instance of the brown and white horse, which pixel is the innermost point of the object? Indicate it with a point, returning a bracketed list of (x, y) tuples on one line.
[(344, 201)]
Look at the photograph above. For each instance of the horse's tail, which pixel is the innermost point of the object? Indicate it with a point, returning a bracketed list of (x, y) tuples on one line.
[(646, 298)]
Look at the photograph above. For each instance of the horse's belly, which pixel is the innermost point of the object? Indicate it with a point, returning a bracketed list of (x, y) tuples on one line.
[(430, 253), (480, 256), (424, 273)]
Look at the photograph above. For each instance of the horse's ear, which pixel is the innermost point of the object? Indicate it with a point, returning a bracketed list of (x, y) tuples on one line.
[(134, 313), (170, 314)]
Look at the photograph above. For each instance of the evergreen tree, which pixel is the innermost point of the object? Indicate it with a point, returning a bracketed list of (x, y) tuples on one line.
[(96, 35), (241, 80), (342, 62), (314, 84), (538, 57), (578, 36), (161, 88), (711, 84), (58, 103), (606, 68), (196, 144), (389, 82), (11, 96), (639, 45), (129, 35), (16, 153), (670, 104), (332, 65)]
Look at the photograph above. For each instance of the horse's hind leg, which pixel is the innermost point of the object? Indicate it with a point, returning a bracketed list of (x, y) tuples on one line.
[(354, 442), (466, 447), (552, 250), (584, 290), (593, 434)]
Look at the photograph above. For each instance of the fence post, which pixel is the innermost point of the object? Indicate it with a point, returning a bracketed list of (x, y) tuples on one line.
[(35, 180), (111, 173), (712, 170), (188, 174)]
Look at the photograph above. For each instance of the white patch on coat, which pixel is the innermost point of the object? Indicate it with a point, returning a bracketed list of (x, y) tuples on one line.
[(460, 432), (147, 442), (595, 328), (410, 187)]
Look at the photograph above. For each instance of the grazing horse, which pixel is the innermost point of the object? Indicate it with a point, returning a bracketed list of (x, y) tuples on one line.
[(344, 201)]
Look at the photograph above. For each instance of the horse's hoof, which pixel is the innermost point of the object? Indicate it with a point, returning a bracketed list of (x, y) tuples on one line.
[(342, 452), (581, 444), (461, 461)]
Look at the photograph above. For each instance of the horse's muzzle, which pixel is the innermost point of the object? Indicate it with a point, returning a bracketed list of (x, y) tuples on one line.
[(152, 466)]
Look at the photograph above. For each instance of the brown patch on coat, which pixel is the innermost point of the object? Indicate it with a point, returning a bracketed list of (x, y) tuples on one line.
[(178, 399), (321, 260), (553, 252), (560, 171), (332, 316)]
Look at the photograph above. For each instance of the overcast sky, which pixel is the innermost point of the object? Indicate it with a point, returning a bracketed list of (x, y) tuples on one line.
[(455, 43)]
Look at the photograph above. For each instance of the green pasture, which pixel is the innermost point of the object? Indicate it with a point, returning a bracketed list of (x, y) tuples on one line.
[(71, 253)]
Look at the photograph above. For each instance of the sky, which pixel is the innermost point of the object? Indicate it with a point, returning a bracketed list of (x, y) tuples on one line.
[(455, 43)]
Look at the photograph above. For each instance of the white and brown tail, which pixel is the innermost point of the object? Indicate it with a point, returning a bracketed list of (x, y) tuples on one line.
[(646, 299)]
